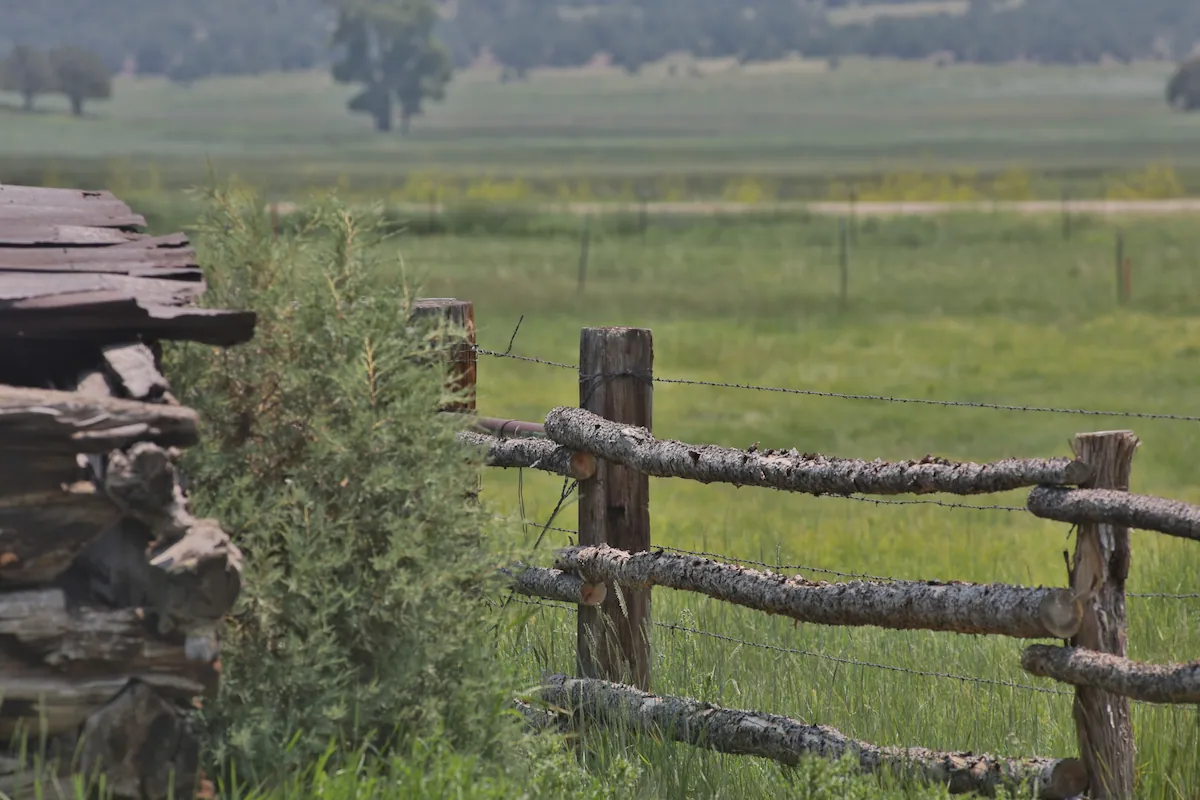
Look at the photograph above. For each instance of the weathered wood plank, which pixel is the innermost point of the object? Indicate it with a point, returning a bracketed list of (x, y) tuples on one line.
[(792, 471), (21, 290), (41, 534), (64, 422), (112, 318), (14, 233), (60, 197), (997, 609), (120, 259), (787, 740), (99, 216)]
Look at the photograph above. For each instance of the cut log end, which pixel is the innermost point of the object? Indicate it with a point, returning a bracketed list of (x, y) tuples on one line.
[(1068, 779), (583, 466), (593, 594), (1062, 613)]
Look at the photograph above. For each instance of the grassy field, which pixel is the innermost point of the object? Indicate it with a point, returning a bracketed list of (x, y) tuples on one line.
[(963, 308), (794, 125)]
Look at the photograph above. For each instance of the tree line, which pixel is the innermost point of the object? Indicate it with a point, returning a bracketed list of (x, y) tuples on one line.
[(402, 53), (187, 40), (79, 74)]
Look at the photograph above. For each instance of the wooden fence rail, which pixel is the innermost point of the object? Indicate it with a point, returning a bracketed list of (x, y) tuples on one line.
[(787, 740), (531, 453), (607, 445), (1108, 506), (791, 471), (901, 605)]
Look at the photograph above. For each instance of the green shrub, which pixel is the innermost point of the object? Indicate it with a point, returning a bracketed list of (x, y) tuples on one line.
[(362, 621)]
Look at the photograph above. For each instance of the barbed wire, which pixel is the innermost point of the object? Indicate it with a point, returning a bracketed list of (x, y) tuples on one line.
[(824, 656), (873, 397), (857, 663), (943, 503)]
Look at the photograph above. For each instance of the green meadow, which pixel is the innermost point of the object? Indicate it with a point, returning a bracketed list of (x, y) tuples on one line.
[(968, 308)]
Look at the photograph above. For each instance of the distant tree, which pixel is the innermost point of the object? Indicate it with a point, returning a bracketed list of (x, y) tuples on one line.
[(81, 75), (28, 72), (389, 47), (1183, 90)]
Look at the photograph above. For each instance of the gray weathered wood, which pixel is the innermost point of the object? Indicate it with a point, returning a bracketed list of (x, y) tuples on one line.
[(997, 609), (29, 290), (57, 197), (133, 367), (531, 453), (787, 740), (615, 370), (42, 533), (1148, 683), (791, 471), (71, 663), (72, 215), (69, 423), (16, 233), (554, 584), (144, 746), (1098, 573), (456, 321), (1097, 506)]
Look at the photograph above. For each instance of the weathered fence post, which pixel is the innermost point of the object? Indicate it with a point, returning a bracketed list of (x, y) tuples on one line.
[(844, 262), (1120, 259), (460, 350), (1101, 565), (615, 381)]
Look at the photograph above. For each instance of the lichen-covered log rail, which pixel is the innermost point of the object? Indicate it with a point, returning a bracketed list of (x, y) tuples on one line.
[(969, 608), (554, 584), (531, 453), (1113, 507), (792, 471), (1149, 683), (786, 740)]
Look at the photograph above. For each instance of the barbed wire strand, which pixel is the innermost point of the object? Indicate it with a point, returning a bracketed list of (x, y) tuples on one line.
[(825, 657), (872, 397)]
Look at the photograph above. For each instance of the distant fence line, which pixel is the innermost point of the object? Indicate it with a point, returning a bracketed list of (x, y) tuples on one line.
[(609, 575)]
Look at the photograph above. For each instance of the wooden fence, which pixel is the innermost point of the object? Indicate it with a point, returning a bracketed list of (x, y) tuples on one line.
[(607, 445)]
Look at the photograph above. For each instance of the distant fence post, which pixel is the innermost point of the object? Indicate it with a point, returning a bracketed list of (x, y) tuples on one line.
[(1101, 565), (1121, 298), (1066, 215), (844, 262), (615, 381), (585, 242), (460, 351)]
